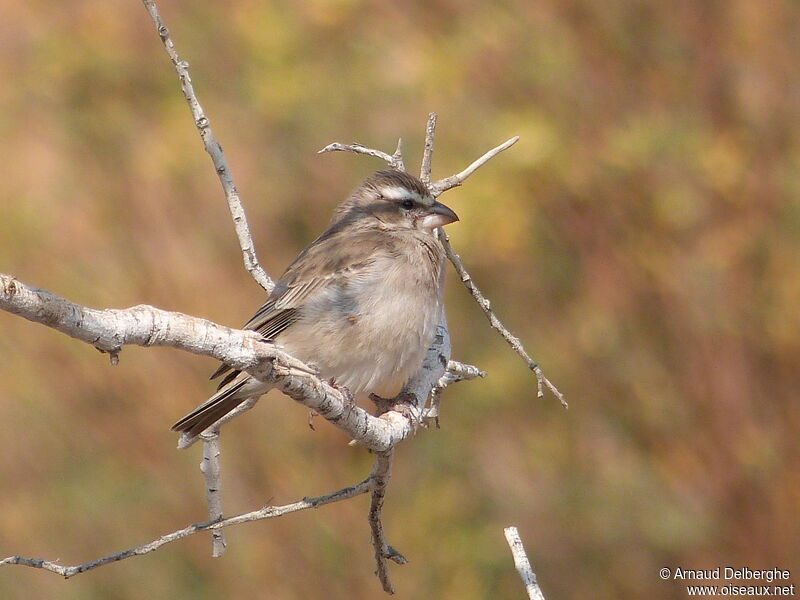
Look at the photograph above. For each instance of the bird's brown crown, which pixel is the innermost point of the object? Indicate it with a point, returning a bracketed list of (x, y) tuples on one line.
[(392, 183)]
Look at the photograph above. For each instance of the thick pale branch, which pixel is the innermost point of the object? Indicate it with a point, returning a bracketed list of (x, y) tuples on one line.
[(108, 330), (268, 512), (214, 150), (522, 564)]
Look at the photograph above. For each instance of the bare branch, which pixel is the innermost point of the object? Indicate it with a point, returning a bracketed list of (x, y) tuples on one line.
[(430, 131), (486, 306), (447, 183), (215, 151), (109, 330), (395, 161), (522, 564), (268, 512), (211, 471), (383, 551)]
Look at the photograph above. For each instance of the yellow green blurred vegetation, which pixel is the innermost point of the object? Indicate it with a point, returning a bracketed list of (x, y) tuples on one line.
[(643, 239)]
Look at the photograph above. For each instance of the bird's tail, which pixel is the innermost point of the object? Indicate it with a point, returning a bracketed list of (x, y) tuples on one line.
[(213, 409)]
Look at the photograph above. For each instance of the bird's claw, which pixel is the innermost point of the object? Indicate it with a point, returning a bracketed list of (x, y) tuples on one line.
[(349, 399), (404, 403)]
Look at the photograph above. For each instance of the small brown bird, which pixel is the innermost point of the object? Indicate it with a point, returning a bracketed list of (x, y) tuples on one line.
[(360, 304)]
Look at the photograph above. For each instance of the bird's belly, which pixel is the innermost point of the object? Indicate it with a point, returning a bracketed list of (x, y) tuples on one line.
[(372, 340)]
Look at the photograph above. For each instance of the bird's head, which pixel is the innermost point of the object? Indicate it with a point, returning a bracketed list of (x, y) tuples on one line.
[(396, 200)]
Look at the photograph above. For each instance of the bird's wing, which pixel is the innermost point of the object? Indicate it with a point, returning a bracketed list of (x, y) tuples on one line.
[(213, 409), (332, 258), (326, 262)]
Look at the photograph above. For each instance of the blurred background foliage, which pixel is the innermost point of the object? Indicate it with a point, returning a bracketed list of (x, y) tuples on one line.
[(643, 239)]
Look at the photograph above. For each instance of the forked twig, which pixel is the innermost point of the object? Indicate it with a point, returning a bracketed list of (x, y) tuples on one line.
[(456, 180), (383, 551)]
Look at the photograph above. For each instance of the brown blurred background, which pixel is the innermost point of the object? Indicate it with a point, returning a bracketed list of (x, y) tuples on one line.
[(643, 239)]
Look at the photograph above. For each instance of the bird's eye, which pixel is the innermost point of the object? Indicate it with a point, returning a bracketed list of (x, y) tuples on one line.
[(407, 204)]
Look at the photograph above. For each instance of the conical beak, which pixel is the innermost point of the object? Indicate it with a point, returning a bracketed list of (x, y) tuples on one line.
[(438, 215)]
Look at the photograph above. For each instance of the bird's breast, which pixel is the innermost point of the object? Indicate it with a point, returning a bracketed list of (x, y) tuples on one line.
[(370, 332)]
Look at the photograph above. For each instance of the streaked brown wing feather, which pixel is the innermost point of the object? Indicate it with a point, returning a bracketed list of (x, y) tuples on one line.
[(211, 410), (325, 262)]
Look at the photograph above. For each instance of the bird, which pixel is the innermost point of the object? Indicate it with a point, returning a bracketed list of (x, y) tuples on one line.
[(360, 304)]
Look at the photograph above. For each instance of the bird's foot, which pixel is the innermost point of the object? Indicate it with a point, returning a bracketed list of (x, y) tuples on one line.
[(349, 399), (404, 403)]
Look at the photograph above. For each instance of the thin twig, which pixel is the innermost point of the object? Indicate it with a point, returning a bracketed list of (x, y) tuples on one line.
[(383, 551), (447, 183), (268, 512), (486, 306), (430, 132), (395, 161), (215, 151), (212, 473), (522, 564)]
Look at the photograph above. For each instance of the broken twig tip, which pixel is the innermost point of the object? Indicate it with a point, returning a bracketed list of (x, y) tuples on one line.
[(395, 556)]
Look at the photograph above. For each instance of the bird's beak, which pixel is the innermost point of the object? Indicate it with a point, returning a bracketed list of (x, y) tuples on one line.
[(438, 215)]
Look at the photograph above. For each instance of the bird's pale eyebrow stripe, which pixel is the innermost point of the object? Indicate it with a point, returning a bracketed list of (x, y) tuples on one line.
[(397, 192), (401, 193)]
